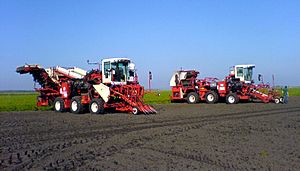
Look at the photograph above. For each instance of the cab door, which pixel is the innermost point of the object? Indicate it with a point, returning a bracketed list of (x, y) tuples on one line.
[(239, 73), (106, 72)]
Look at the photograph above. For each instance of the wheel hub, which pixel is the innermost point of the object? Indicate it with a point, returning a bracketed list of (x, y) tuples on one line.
[(210, 97), (134, 111), (57, 105), (74, 106), (192, 98), (94, 107), (231, 99)]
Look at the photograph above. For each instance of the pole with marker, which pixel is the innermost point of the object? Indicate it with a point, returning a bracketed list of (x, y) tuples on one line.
[(273, 80), (149, 80)]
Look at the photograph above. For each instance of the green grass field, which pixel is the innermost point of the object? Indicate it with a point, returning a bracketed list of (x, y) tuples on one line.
[(18, 101), (21, 101), (157, 97), (294, 91)]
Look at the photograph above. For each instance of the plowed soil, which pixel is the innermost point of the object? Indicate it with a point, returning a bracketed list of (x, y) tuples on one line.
[(246, 136)]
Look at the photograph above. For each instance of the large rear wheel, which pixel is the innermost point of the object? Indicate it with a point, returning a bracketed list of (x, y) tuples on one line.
[(96, 106), (193, 98), (59, 105)]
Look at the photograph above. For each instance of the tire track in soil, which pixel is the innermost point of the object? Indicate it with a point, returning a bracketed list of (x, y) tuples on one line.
[(26, 159), (188, 126), (200, 157), (74, 132), (129, 124), (42, 153)]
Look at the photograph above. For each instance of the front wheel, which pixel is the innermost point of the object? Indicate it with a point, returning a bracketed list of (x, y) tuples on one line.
[(192, 98), (59, 105), (76, 105), (96, 106), (211, 97), (232, 98)]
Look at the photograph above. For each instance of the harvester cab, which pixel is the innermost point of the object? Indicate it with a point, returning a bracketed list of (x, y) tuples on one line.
[(243, 72), (118, 71)]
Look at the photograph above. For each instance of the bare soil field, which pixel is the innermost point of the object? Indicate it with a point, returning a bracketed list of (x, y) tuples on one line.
[(247, 136)]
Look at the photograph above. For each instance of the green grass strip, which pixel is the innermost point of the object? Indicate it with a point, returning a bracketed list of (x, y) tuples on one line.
[(14, 101)]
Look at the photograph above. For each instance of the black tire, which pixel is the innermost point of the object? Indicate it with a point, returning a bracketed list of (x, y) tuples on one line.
[(232, 98), (76, 106), (277, 100), (59, 105), (96, 106), (211, 97), (193, 98), (50, 102), (281, 99)]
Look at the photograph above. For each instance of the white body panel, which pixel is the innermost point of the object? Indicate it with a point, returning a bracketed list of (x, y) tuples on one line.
[(72, 72), (68, 72), (181, 75), (103, 90), (78, 71), (52, 75), (173, 79)]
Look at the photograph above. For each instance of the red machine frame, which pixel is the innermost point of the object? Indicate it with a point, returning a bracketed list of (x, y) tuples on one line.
[(124, 98), (202, 90)]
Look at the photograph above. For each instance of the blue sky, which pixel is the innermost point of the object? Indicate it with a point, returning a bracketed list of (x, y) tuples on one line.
[(161, 36)]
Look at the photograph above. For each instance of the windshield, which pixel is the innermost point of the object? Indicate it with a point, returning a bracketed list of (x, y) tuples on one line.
[(121, 69), (248, 74)]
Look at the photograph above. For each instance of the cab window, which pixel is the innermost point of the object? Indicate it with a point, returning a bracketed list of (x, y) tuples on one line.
[(119, 74), (106, 68), (239, 71), (248, 74)]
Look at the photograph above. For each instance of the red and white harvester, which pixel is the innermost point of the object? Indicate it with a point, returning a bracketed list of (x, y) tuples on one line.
[(237, 86), (114, 87)]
